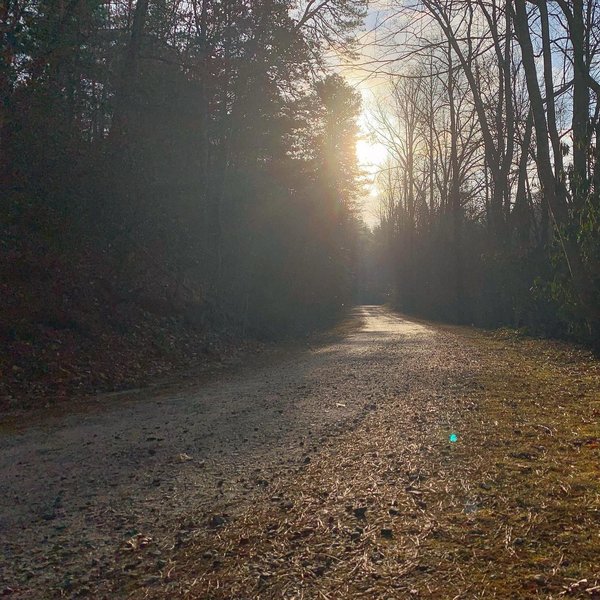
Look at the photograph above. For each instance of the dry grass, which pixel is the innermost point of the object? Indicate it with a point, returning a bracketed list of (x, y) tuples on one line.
[(394, 510)]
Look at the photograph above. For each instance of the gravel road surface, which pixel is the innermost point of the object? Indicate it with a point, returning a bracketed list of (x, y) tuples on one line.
[(79, 489)]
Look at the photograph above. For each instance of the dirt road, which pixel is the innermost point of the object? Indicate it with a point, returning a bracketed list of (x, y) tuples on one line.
[(90, 500), (78, 487)]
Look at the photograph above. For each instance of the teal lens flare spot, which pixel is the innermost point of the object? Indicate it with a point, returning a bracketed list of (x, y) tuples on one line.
[(453, 437)]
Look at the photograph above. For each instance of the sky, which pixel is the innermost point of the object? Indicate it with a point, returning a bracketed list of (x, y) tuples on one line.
[(372, 86)]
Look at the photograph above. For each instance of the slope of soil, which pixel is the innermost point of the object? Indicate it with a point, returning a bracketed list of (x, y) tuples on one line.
[(70, 328)]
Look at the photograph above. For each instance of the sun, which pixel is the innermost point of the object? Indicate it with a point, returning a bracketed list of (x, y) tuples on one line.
[(370, 155)]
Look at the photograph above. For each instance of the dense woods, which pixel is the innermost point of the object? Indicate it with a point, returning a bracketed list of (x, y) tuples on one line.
[(174, 172), (195, 150), (187, 162), (490, 200)]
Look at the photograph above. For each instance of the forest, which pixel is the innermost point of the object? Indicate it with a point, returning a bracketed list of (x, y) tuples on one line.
[(178, 173), (300, 299), (490, 201), (173, 173)]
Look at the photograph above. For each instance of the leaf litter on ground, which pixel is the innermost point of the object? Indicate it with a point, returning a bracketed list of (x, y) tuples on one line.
[(393, 509)]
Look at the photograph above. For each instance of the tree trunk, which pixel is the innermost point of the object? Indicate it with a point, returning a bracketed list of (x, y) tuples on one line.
[(549, 90), (129, 72), (581, 106), (455, 205)]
